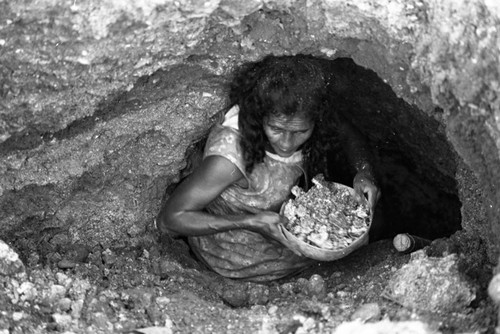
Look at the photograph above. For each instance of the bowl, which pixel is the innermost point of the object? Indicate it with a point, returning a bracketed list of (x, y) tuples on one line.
[(323, 254)]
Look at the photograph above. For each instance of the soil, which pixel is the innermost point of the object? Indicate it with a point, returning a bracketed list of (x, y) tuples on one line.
[(159, 284), (56, 69)]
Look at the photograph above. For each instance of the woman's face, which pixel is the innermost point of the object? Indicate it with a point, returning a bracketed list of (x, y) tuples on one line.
[(286, 134)]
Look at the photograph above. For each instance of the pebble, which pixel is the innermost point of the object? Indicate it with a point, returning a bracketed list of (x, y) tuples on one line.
[(100, 319), (272, 310), (366, 312), (63, 320), (77, 253), (33, 259), (162, 301), (27, 291), (76, 308), (301, 285), (287, 288), (258, 295), (442, 247), (336, 274), (64, 304), (494, 289), (66, 264), (342, 294), (57, 292), (109, 257), (235, 297), (16, 316), (154, 314), (10, 264), (63, 279), (317, 286)]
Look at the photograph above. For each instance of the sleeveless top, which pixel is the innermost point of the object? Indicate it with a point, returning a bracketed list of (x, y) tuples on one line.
[(242, 253)]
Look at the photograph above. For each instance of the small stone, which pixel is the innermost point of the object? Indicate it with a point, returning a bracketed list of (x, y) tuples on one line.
[(109, 257), (154, 314), (62, 320), (33, 259), (66, 264), (60, 239), (317, 286), (100, 320), (135, 230), (162, 301), (76, 308), (57, 292), (16, 316), (79, 288), (77, 253), (258, 295), (336, 274), (286, 288), (53, 257), (27, 291), (494, 289), (366, 312), (64, 304), (63, 279), (272, 310), (95, 258), (235, 296), (301, 285), (442, 247), (10, 263)]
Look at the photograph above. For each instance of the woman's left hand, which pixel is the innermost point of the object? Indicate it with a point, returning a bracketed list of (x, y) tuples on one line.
[(364, 185)]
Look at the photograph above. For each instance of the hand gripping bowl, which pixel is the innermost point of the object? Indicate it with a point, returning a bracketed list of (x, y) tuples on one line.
[(326, 223)]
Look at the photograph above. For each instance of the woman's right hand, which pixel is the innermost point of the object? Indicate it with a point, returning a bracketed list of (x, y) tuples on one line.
[(268, 224)]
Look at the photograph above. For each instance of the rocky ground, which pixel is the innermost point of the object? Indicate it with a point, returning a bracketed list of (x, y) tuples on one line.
[(158, 284), (74, 183)]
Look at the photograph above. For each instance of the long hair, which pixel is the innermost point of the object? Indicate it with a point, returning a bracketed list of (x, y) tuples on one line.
[(283, 85)]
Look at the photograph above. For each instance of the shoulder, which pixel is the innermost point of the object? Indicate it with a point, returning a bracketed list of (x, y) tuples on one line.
[(219, 170), (225, 141), (221, 138)]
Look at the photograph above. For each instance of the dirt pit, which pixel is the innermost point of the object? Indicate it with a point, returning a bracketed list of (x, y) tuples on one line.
[(159, 284), (65, 155)]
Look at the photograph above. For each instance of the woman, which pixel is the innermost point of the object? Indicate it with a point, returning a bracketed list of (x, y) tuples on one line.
[(275, 129)]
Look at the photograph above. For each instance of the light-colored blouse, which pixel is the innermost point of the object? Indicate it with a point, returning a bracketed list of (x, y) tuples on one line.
[(242, 253)]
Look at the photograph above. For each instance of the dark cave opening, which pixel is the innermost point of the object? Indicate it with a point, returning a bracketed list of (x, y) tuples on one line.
[(413, 161)]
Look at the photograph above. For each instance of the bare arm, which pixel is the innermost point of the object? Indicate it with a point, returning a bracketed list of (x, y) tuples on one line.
[(183, 212)]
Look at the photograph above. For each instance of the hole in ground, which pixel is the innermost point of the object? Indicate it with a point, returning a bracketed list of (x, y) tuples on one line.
[(414, 163)]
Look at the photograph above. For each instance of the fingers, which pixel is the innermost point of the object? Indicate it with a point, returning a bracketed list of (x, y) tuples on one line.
[(285, 242)]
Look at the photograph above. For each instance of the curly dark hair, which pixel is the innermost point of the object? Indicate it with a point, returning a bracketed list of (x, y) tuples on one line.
[(283, 85)]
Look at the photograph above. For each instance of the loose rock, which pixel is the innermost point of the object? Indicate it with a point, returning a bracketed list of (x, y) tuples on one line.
[(494, 289), (235, 297), (317, 286), (366, 312), (10, 263), (431, 284)]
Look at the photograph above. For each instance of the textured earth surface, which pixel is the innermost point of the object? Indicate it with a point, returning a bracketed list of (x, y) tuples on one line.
[(82, 290), (102, 106)]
